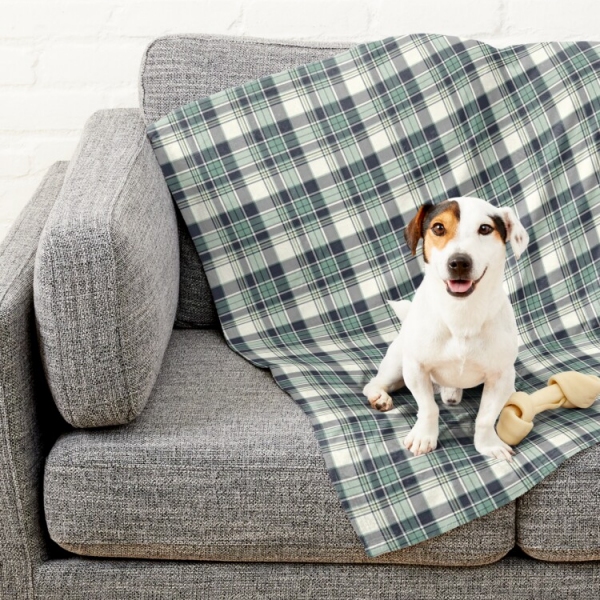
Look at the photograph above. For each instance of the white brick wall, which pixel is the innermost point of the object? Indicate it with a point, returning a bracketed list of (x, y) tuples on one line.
[(60, 60)]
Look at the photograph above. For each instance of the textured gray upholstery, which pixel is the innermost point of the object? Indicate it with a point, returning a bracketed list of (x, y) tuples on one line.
[(24, 399), (559, 519), (195, 308), (107, 275), (221, 465), (509, 579), (179, 69)]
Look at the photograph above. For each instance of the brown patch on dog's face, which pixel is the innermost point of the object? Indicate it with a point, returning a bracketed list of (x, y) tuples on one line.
[(440, 226)]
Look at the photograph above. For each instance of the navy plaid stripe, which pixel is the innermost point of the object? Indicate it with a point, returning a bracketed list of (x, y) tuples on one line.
[(296, 189)]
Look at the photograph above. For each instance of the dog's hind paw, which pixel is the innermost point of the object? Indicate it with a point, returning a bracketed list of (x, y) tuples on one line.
[(451, 396)]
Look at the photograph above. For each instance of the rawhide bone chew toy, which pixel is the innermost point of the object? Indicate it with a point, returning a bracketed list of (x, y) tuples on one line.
[(566, 390)]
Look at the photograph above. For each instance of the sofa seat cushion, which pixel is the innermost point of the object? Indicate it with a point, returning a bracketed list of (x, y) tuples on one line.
[(559, 519), (221, 465)]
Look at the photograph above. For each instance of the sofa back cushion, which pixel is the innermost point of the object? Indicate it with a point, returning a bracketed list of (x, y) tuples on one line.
[(179, 69)]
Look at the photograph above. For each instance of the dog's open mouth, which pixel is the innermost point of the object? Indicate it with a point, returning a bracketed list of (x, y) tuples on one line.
[(461, 288)]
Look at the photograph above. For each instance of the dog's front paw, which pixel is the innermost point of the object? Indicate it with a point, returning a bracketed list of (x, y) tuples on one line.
[(381, 401), (491, 445), (378, 398), (422, 437)]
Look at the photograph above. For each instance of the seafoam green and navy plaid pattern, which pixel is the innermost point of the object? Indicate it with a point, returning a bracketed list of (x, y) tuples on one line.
[(296, 189)]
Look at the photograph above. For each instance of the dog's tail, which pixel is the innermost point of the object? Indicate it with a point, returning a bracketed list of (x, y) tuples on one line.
[(400, 307)]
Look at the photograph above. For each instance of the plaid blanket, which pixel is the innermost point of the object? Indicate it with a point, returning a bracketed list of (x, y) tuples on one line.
[(296, 189)]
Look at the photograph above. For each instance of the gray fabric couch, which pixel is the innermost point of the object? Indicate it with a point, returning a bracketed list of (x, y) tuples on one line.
[(205, 480)]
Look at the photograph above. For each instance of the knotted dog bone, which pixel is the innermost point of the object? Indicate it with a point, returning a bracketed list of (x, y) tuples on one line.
[(567, 390)]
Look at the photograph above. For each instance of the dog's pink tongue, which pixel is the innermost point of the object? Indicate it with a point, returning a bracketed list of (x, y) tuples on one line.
[(459, 286)]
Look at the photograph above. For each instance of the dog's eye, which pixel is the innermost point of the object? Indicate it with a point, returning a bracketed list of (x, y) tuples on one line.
[(485, 229), (438, 229)]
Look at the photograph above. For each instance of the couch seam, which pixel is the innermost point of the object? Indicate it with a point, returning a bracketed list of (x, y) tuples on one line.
[(141, 89), (68, 408), (260, 41), (15, 487), (118, 312), (256, 41), (538, 549), (61, 378), (497, 556)]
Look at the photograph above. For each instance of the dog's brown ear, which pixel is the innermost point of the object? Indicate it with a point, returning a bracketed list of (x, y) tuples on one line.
[(414, 230)]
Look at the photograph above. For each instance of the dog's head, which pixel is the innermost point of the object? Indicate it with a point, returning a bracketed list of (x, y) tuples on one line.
[(464, 239)]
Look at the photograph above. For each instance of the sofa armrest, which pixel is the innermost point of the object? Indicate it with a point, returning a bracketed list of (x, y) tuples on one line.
[(106, 279), (24, 398)]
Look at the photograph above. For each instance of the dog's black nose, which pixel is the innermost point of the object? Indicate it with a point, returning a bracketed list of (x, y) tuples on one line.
[(459, 266)]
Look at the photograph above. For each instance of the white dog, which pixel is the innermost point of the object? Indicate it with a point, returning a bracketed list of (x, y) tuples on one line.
[(459, 331)]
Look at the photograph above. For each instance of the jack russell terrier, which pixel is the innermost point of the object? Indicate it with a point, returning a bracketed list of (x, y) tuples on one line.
[(459, 331)]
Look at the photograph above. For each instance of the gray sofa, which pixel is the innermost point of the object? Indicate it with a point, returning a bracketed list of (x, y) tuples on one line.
[(204, 479)]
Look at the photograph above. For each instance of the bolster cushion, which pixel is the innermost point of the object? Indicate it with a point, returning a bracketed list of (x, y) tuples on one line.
[(106, 275)]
